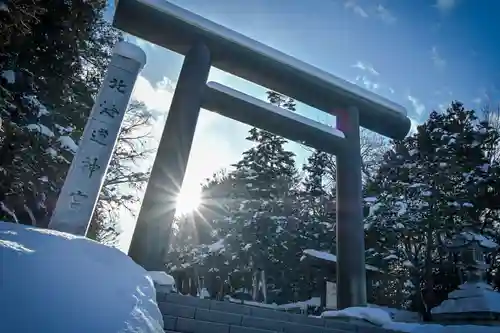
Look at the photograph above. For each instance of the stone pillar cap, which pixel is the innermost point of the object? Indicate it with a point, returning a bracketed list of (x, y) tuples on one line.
[(131, 51)]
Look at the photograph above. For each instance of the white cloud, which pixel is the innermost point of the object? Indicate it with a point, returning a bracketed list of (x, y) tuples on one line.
[(369, 84), (438, 61), (413, 127), (366, 67), (156, 99), (378, 11), (352, 5), (445, 5), (419, 107), (385, 15)]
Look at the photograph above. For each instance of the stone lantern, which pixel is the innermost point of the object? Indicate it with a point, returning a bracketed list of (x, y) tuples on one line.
[(474, 301), (472, 250)]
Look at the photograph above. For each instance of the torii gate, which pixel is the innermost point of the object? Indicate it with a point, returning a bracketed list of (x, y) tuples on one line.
[(205, 44)]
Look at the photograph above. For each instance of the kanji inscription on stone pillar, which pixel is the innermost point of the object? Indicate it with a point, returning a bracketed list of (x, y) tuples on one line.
[(78, 197)]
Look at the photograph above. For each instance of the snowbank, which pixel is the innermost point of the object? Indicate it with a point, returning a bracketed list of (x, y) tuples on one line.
[(56, 282), (381, 318)]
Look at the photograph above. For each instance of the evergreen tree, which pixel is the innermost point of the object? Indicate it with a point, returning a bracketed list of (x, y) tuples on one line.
[(315, 205), (318, 204), (431, 186), (256, 212), (51, 67), (267, 172)]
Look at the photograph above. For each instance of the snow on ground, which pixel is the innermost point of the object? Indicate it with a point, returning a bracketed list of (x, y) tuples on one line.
[(313, 302), (373, 315), (56, 282), (273, 306), (381, 318)]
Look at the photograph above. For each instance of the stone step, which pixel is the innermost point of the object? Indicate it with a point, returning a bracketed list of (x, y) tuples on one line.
[(171, 310), (188, 325), (240, 309), (247, 325), (179, 307)]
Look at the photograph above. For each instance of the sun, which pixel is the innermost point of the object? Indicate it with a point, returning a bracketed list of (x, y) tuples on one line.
[(188, 200)]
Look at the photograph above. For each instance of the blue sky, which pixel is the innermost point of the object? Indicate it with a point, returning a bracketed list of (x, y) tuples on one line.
[(431, 50), (420, 53)]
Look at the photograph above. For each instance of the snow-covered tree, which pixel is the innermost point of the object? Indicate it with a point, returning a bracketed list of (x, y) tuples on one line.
[(255, 210), (430, 186), (315, 213), (32, 152), (318, 205), (51, 66), (264, 179)]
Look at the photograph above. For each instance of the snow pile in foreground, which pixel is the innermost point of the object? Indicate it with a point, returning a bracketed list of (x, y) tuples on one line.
[(381, 318), (56, 282)]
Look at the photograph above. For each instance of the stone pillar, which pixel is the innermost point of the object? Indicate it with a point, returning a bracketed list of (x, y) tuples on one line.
[(351, 275), (78, 197), (150, 241)]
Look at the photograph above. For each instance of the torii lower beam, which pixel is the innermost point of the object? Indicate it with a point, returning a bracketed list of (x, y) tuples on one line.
[(257, 113)]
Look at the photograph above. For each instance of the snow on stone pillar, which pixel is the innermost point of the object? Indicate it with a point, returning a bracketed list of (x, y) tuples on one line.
[(78, 197)]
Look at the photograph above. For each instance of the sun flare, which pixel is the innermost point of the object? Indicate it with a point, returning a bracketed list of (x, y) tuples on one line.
[(188, 200)]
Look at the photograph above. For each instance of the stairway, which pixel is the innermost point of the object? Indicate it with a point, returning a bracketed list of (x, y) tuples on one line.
[(186, 314)]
